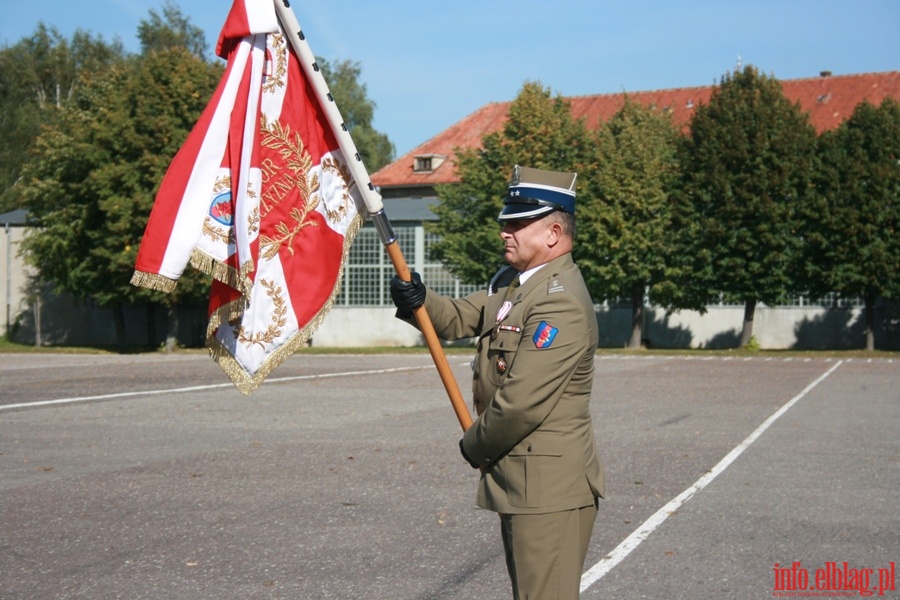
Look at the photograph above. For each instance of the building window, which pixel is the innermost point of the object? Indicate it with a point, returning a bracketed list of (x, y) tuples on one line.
[(426, 163), (368, 272), (831, 300), (423, 163)]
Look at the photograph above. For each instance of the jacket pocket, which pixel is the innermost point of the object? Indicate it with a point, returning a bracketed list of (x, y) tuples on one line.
[(501, 354), (536, 476)]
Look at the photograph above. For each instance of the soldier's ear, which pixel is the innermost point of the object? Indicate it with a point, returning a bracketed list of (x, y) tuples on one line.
[(554, 233)]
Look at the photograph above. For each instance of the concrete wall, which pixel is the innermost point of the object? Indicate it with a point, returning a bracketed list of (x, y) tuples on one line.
[(774, 328), (362, 327), (14, 279), (807, 327)]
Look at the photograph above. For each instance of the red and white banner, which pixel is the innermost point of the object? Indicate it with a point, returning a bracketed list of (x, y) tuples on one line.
[(261, 197)]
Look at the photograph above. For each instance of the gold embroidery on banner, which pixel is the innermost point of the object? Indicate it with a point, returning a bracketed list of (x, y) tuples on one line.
[(217, 234), (343, 171), (245, 284), (279, 318), (222, 183), (299, 162), (253, 221), (269, 247), (275, 79)]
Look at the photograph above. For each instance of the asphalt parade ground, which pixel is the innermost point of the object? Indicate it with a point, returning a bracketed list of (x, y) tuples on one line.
[(151, 477)]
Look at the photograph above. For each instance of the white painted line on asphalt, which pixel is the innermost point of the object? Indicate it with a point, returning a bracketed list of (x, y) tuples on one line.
[(200, 388), (606, 564)]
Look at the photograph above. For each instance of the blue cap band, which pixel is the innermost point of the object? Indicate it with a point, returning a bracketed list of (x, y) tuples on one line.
[(524, 193)]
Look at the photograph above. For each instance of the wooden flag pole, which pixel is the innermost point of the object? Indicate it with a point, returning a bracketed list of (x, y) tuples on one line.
[(434, 344), (373, 205)]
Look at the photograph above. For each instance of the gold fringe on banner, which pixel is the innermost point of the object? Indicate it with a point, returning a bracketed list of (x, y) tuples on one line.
[(153, 281), (239, 280)]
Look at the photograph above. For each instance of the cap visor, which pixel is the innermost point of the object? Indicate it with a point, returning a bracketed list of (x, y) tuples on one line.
[(523, 211)]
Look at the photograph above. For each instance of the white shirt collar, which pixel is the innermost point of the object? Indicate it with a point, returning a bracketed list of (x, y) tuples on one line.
[(524, 275)]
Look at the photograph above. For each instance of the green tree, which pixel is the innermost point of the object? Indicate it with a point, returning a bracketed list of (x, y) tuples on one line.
[(624, 240), (747, 162), (358, 111), (171, 29), (93, 177), (852, 226), (540, 132), (38, 77)]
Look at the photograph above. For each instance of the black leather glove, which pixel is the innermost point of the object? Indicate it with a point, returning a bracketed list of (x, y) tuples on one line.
[(466, 456), (407, 295)]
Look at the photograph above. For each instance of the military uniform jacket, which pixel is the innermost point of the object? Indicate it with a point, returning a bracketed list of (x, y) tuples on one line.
[(533, 372)]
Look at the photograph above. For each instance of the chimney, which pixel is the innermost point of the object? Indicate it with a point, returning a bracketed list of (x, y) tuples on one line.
[(824, 73)]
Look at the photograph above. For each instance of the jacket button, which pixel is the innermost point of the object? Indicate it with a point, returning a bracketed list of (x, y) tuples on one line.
[(529, 448)]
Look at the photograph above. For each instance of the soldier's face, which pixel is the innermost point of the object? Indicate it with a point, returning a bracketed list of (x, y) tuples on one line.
[(526, 242)]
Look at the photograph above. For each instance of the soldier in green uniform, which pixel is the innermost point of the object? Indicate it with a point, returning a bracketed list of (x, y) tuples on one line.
[(536, 334)]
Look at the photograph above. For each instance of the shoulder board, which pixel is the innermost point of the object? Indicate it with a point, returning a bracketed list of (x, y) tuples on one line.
[(555, 284)]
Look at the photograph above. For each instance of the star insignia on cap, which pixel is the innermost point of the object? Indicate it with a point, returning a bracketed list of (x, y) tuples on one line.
[(515, 193)]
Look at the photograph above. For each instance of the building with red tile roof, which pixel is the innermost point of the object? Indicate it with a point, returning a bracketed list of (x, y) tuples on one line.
[(828, 99)]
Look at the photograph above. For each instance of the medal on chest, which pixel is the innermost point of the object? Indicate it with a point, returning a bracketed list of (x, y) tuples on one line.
[(501, 314), (501, 364)]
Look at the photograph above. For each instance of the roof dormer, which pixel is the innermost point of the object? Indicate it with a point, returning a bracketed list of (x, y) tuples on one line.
[(427, 163)]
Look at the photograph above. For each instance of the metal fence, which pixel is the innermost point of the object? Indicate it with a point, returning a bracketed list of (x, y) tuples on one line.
[(368, 272)]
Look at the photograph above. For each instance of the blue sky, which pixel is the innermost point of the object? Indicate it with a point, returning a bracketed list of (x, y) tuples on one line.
[(429, 64)]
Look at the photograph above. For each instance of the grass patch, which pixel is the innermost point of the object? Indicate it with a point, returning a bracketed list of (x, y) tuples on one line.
[(746, 352), (7, 347)]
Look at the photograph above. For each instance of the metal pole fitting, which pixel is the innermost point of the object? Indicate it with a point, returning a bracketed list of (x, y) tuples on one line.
[(383, 226)]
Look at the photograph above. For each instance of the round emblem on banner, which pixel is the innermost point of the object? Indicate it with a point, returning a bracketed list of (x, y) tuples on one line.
[(220, 209)]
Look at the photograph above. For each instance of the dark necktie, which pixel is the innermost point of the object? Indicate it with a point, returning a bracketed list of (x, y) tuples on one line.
[(512, 288)]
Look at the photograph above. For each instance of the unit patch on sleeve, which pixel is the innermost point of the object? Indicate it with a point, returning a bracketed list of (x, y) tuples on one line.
[(544, 335)]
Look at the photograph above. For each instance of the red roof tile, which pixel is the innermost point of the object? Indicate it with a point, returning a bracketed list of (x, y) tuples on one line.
[(828, 99)]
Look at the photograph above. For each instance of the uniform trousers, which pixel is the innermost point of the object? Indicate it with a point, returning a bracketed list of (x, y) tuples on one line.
[(545, 553)]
